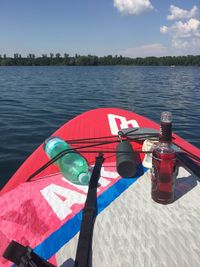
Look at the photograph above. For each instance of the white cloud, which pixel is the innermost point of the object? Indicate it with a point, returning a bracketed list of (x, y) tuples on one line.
[(192, 46), (179, 13), (133, 7), (164, 29), (145, 51), (184, 34), (185, 31), (179, 29), (191, 28)]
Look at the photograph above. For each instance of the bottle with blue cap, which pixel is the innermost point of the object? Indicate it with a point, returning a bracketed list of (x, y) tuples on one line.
[(72, 165)]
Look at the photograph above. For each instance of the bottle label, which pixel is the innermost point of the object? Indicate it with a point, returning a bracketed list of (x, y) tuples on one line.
[(163, 177)]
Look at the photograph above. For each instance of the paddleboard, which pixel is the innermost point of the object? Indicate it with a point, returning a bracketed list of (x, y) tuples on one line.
[(130, 229)]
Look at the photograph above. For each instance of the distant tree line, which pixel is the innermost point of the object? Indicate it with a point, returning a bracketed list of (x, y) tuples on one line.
[(90, 60)]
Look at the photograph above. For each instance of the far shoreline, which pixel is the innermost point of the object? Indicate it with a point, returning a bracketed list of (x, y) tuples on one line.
[(91, 60)]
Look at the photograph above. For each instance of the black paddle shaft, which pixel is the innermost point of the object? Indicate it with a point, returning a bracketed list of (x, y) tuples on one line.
[(88, 217)]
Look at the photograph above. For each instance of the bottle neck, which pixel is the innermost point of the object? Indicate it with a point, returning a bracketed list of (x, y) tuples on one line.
[(165, 132)]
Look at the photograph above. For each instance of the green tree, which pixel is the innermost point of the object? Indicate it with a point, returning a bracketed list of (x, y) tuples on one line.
[(66, 59), (92, 60)]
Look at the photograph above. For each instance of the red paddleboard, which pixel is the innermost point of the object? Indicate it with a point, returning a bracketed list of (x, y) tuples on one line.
[(45, 212)]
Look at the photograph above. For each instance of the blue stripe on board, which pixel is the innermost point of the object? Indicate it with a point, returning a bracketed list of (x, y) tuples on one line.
[(59, 238)]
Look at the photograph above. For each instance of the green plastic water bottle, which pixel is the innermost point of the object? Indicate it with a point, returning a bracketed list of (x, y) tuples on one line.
[(72, 165)]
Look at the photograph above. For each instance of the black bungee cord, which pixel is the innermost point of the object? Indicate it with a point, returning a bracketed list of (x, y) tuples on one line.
[(137, 137), (93, 142)]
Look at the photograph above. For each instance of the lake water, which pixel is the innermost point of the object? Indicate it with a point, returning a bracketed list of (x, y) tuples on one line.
[(35, 101)]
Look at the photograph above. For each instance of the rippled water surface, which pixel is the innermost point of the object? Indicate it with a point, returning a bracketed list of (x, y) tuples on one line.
[(35, 101)]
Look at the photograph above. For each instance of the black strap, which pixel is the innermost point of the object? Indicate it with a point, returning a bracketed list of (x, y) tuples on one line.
[(88, 217), (24, 256)]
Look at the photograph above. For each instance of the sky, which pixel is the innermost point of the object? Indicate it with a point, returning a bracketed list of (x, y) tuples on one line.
[(133, 28)]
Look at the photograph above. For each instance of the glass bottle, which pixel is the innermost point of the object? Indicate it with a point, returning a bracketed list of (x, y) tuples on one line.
[(72, 165), (164, 163)]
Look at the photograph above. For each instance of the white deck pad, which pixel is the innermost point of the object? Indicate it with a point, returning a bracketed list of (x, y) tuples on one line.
[(135, 231)]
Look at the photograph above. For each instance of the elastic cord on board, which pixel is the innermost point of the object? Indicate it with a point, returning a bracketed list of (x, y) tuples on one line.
[(137, 137)]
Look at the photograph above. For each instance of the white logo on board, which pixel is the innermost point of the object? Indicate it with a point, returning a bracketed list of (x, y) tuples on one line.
[(117, 123), (63, 200)]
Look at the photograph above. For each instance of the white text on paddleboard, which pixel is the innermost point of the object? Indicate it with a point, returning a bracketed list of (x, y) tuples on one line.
[(63, 200)]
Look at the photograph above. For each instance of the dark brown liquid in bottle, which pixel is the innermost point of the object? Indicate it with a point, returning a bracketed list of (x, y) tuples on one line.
[(163, 175)]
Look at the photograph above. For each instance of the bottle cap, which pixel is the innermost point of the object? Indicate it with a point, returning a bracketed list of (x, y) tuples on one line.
[(83, 178)]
